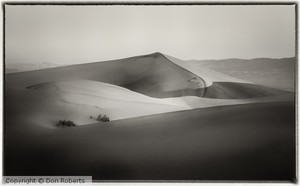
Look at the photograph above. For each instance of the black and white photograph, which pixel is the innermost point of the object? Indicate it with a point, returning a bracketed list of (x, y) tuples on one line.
[(150, 91)]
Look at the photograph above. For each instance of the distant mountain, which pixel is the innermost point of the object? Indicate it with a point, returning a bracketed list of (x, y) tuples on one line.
[(21, 67), (11, 70), (277, 73)]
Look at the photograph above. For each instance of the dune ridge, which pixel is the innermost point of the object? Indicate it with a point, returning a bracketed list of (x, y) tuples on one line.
[(152, 75), (208, 75), (222, 86), (128, 88), (155, 75)]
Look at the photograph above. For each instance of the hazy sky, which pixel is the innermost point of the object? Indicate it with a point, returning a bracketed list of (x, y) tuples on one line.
[(78, 34)]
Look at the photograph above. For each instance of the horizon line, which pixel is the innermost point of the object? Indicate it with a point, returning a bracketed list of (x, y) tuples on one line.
[(192, 59)]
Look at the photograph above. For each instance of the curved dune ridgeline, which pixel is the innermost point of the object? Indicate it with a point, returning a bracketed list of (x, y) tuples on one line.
[(153, 75), (125, 88), (229, 90)]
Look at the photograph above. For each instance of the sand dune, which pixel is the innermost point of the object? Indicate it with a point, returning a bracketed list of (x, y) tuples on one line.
[(222, 86), (79, 100), (153, 75), (208, 75), (79, 92), (229, 90)]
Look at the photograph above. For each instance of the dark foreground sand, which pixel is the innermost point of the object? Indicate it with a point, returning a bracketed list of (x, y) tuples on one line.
[(241, 142)]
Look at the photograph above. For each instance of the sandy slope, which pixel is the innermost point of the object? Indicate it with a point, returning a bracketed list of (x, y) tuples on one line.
[(80, 99), (79, 91), (242, 142)]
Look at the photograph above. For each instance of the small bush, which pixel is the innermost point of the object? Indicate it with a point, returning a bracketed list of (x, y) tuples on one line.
[(103, 118), (65, 123)]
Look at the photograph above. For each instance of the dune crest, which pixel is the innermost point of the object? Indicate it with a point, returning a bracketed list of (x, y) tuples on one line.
[(127, 88), (153, 75), (156, 75), (222, 86)]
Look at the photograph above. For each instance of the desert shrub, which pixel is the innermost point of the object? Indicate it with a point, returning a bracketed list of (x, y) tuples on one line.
[(99, 117), (65, 123), (103, 118)]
